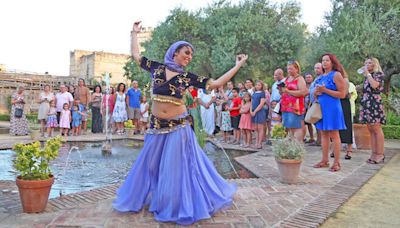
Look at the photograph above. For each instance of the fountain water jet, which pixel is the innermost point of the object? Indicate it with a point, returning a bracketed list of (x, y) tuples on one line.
[(106, 148)]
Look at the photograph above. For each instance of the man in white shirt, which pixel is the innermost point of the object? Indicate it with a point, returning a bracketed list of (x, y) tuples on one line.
[(61, 98), (278, 77)]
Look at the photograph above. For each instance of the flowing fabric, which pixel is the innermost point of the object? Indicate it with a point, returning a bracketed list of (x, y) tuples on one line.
[(169, 56), (207, 115), (176, 179)]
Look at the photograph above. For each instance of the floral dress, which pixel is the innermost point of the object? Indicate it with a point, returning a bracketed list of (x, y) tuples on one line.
[(18, 125), (119, 113), (226, 121), (371, 110)]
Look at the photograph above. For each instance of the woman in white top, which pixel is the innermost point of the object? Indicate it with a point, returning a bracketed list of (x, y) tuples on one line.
[(207, 111), (119, 114), (44, 100)]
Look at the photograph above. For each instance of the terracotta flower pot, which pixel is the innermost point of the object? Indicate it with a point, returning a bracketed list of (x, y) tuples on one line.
[(289, 170), (362, 136), (131, 132), (35, 134), (34, 194)]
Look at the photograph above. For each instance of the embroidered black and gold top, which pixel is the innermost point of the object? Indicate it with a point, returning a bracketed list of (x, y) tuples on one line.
[(172, 90)]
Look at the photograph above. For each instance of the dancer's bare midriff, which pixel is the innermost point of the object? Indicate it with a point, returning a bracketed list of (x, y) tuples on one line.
[(167, 110)]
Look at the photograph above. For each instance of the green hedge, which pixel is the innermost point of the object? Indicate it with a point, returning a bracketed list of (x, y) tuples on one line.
[(391, 131), (4, 117), (30, 117)]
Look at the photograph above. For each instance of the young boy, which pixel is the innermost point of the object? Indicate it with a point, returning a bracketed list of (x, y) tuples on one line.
[(77, 112), (235, 115)]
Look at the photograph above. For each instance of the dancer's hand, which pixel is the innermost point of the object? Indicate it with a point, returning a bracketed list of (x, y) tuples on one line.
[(241, 58), (137, 26)]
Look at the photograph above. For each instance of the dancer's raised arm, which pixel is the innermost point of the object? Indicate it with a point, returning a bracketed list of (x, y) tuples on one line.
[(240, 60), (134, 42)]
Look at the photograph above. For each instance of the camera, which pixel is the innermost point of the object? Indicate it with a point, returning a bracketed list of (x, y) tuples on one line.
[(281, 84)]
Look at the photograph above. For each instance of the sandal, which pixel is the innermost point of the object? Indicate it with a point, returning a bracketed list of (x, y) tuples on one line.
[(335, 167), (332, 155), (321, 164), (370, 161), (348, 155), (310, 141)]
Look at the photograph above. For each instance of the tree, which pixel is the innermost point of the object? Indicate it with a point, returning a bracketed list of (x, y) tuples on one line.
[(270, 33), (134, 72), (356, 29)]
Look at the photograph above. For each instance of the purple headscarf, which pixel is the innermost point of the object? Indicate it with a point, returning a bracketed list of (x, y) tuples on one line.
[(169, 56)]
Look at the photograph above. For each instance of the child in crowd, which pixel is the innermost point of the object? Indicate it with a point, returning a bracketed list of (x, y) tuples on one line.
[(51, 119), (65, 120), (144, 112), (225, 121), (77, 111), (258, 113), (275, 117), (245, 124), (235, 115)]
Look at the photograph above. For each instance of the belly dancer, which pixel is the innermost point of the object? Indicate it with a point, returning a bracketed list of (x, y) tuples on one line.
[(172, 174)]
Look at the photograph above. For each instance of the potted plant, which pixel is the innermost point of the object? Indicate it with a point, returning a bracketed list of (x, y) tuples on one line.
[(35, 178), (278, 132), (34, 129), (289, 154), (129, 128)]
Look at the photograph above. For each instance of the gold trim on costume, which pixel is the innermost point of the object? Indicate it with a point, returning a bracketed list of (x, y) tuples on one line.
[(172, 88), (167, 99), (183, 78)]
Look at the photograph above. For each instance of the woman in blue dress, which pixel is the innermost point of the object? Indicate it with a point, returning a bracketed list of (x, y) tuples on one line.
[(172, 173), (330, 88)]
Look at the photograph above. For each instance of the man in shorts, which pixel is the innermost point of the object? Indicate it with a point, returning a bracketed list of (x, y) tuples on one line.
[(133, 96)]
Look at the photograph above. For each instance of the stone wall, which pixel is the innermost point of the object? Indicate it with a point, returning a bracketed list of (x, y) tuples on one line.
[(92, 65), (33, 83)]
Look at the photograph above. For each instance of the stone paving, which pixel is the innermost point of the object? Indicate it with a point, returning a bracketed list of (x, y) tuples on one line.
[(259, 202)]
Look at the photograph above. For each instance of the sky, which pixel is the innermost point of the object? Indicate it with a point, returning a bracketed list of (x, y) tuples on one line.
[(37, 36)]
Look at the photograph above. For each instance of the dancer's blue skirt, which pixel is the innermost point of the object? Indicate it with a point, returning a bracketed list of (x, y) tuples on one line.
[(176, 179)]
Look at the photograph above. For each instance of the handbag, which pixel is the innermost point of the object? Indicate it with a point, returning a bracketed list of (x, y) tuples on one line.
[(18, 112), (314, 113)]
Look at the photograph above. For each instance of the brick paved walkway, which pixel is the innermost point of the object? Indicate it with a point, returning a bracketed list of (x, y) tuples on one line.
[(259, 202)]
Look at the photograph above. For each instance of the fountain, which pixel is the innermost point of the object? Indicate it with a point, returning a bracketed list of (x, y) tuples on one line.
[(66, 164), (229, 160), (106, 148)]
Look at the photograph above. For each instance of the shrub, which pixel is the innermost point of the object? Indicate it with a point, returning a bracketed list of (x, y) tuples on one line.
[(4, 117), (33, 162), (391, 131), (287, 148), (278, 132), (392, 118)]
